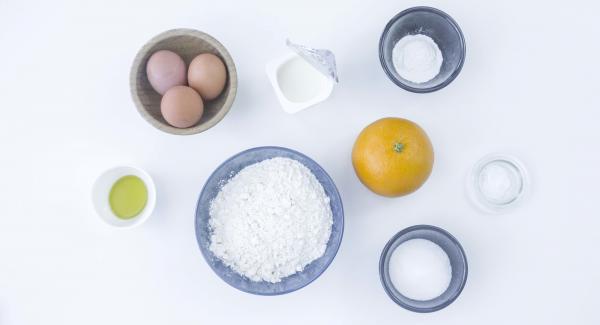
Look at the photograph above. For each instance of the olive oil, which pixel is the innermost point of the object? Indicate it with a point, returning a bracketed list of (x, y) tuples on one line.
[(128, 197)]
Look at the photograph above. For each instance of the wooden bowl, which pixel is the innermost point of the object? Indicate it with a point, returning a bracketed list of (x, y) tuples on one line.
[(188, 43)]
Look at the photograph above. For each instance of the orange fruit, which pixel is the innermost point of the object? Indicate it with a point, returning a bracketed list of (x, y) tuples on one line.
[(392, 156)]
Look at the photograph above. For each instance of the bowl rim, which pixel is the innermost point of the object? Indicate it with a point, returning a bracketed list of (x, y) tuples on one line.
[(386, 251), (231, 76), (450, 78), (337, 194)]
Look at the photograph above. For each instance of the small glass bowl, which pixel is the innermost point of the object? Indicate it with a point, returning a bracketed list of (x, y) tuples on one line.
[(458, 262), (510, 178)]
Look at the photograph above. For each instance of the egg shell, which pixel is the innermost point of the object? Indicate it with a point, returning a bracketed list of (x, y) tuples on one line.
[(182, 107), (207, 75), (165, 70)]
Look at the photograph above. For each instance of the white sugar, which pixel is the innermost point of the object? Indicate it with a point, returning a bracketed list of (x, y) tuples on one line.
[(420, 269)]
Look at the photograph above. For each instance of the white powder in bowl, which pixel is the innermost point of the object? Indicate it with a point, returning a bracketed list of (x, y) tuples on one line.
[(270, 220), (500, 182), (420, 269), (417, 58)]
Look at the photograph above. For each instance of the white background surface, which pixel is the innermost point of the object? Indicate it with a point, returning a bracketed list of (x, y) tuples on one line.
[(529, 87)]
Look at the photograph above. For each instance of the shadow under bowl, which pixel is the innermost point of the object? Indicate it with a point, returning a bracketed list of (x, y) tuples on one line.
[(433, 23), (187, 43), (220, 177), (458, 262)]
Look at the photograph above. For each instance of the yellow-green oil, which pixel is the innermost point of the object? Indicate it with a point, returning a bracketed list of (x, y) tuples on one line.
[(128, 197)]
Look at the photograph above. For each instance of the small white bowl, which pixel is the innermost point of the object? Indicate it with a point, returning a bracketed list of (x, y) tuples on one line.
[(101, 191), (275, 68)]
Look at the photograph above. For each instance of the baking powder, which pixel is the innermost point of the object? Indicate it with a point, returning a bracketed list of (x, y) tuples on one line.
[(417, 58)]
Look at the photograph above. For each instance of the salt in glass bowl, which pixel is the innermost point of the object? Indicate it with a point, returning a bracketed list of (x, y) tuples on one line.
[(513, 193)]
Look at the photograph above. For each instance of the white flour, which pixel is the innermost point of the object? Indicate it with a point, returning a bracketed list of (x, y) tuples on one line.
[(417, 58), (270, 220)]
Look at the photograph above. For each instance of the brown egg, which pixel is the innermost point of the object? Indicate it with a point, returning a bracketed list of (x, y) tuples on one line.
[(165, 69), (207, 75), (182, 107)]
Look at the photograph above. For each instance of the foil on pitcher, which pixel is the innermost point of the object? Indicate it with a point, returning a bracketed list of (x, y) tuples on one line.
[(323, 60)]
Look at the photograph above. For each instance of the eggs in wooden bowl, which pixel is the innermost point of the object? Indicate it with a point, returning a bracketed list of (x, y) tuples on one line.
[(172, 65)]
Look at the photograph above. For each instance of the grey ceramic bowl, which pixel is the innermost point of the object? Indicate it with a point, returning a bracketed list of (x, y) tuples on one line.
[(435, 24), (458, 261), (293, 282)]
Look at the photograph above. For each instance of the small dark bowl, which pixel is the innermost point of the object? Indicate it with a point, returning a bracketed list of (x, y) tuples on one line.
[(435, 24), (458, 261), (295, 281)]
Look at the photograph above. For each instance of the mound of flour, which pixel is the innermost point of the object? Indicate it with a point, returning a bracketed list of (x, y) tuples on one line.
[(270, 220)]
